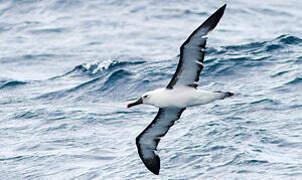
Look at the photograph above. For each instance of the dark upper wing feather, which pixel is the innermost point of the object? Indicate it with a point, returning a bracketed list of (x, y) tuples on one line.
[(148, 140), (192, 53)]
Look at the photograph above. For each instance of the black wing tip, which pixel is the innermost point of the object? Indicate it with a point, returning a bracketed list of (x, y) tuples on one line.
[(213, 20), (221, 9), (153, 164)]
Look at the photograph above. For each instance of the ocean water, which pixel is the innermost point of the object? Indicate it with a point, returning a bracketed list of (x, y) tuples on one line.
[(69, 67)]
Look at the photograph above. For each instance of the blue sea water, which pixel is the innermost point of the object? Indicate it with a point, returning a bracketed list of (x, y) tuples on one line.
[(68, 69)]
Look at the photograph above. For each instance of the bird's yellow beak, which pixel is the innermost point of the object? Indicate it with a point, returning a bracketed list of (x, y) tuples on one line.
[(136, 102)]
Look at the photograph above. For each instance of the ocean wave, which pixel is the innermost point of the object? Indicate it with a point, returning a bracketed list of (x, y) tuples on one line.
[(245, 47), (96, 87), (70, 93), (278, 43), (280, 73), (97, 68), (221, 61), (107, 77), (49, 30), (253, 162), (38, 56), (292, 84), (51, 95), (12, 84), (114, 77), (265, 101), (288, 39), (295, 81), (105, 85)]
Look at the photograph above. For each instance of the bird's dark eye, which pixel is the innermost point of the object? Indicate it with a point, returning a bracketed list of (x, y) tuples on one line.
[(145, 96)]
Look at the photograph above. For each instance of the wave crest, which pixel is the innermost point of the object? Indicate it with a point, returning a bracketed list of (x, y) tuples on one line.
[(12, 84), (279, 43), (96, 67)]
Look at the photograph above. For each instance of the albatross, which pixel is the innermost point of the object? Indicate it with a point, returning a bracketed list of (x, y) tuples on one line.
[(180, 93)]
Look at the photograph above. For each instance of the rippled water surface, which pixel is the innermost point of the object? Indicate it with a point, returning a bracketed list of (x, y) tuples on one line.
[(68, 69)]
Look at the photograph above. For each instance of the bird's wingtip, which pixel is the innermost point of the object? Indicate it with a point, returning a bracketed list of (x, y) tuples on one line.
[(153, 164), (152, 161), (213, 20), (223, 7)]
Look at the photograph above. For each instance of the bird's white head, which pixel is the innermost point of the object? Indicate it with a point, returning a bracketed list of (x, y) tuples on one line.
[(144, 99)]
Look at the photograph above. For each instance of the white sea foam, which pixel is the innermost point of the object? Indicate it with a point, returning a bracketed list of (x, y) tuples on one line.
[(97, 67)]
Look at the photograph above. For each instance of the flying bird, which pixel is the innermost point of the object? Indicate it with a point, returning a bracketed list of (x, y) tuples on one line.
[(180, 93)]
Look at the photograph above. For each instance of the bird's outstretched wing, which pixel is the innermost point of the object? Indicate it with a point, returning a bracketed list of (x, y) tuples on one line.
[(192, 53), (148, 140)]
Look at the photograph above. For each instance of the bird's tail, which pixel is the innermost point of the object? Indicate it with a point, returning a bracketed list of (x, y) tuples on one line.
[(225, 94)]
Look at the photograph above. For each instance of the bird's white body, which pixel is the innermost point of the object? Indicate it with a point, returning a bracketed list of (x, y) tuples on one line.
[(181, 97)]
